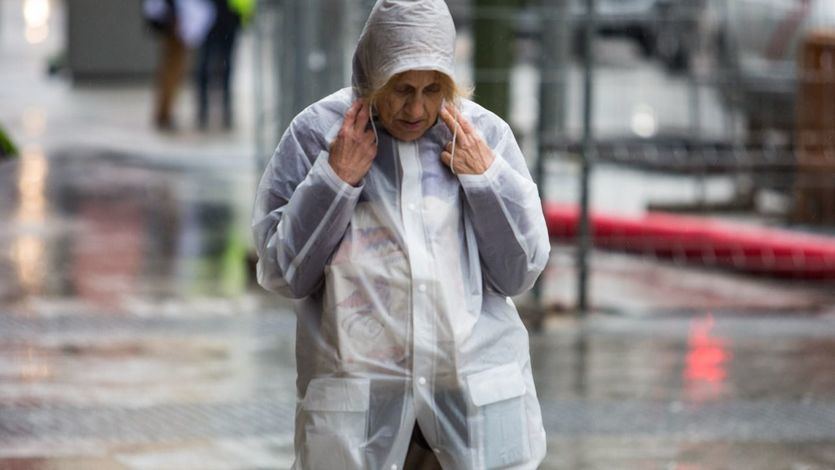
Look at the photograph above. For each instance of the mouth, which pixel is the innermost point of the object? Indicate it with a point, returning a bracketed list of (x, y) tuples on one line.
[(411, 125)]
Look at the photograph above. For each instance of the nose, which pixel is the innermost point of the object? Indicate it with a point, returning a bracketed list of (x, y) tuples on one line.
[(414, 107)]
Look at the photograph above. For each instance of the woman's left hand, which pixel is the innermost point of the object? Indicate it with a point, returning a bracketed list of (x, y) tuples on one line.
[(472, 155)]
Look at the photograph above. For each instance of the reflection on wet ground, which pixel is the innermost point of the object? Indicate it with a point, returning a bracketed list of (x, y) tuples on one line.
[(688, 392), (105, 227), (130, 338)]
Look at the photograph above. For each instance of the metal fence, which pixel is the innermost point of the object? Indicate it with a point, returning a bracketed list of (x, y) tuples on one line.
[(694, 136)]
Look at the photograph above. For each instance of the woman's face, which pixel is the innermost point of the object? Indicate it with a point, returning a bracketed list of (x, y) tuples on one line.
[(412, 105)]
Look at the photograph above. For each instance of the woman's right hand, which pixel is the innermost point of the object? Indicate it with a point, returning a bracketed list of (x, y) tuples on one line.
[(355, 147)]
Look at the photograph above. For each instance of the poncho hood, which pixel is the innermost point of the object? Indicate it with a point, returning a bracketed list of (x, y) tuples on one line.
[(403, 35)]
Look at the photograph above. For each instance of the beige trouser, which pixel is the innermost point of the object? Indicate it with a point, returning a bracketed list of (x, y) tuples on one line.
[(172, 67)]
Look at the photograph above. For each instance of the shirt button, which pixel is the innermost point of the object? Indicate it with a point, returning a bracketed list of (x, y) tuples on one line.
[(412, 207), (436, 450), (394, 466), (422, 287), (422, 380)]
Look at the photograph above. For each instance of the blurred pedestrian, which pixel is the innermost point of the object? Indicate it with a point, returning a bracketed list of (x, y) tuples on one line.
[(216, 60), (180, 24), (161, 15), (401, 216)]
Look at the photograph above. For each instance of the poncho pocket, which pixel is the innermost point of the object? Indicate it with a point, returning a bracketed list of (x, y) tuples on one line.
[(336, 423), (498, 420)]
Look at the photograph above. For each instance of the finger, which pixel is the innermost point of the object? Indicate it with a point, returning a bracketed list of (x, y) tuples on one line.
[(465, 140), (368, 139), (445, 116), (465, 124), (362, 117), (451, 118), (448, 119), (351, 115), (450, 107), (446, 157), (368, 136)]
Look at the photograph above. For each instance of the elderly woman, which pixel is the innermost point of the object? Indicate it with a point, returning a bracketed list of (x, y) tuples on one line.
[(401, 216)]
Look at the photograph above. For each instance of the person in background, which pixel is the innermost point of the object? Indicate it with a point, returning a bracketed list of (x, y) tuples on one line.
[(216, 58), (181, 25), (161, 16)]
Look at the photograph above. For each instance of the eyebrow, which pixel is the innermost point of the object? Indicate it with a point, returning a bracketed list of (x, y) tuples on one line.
[(409, 85)]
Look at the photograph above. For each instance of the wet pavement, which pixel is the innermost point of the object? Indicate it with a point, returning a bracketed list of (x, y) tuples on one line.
[(131, 336)]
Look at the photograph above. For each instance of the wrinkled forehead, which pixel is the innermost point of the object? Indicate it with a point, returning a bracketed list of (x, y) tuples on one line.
[(416, 78)]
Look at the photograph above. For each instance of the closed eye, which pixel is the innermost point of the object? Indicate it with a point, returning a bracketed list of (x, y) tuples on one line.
[(433, 88)]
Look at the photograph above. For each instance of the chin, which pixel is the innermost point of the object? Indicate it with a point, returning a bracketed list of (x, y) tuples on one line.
[(409, 136)]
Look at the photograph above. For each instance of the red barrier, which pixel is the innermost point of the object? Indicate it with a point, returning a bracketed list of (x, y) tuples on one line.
[(704, 241)]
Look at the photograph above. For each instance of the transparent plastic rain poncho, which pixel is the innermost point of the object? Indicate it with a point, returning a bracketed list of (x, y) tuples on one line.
[(402, 284)]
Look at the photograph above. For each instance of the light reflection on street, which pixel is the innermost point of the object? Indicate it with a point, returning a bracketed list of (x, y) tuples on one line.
[(105, 276), (34, 366), (28, 248), (705, 371), (113, 232)]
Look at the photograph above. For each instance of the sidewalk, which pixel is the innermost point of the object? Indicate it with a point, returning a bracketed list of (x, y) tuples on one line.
[(198, 390)]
